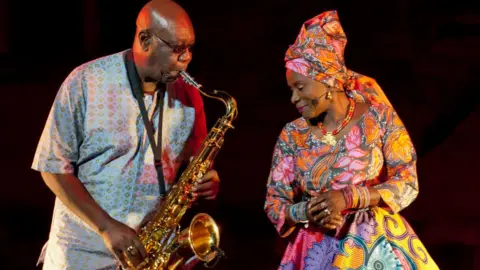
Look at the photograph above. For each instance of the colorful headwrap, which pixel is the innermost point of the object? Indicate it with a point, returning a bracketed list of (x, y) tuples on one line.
[(318, 53), (318, 50)]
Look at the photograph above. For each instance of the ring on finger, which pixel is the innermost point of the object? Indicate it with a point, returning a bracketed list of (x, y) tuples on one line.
[(131, 250), (327, 211)]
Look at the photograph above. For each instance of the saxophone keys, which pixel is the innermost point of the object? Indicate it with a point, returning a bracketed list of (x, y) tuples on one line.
[(182, 200), (219, 143)]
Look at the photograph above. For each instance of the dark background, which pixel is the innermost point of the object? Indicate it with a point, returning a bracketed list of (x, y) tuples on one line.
[(424, 54)]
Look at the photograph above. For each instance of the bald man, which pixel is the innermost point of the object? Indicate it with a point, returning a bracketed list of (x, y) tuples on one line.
[(96, 152)]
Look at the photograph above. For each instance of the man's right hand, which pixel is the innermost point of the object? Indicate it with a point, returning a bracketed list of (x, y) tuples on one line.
[(118, 237), (121, 239)]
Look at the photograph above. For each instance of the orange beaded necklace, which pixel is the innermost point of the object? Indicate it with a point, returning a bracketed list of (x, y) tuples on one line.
[(329, 137)]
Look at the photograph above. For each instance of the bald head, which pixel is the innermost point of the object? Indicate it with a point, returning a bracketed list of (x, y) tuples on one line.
[(162, 41), (163, 16)]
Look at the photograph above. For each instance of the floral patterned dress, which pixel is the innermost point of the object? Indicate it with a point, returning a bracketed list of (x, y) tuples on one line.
[(375, 152)]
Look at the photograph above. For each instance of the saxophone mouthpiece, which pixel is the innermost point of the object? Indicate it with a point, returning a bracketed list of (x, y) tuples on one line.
[(189, 79)]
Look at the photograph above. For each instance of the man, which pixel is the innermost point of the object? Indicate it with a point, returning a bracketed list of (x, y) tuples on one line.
[(95, 153)]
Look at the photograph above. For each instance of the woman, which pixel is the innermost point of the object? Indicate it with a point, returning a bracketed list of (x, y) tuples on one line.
[(342, 172)]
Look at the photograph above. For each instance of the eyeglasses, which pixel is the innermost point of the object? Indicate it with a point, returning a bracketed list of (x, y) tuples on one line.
[(178, 49)]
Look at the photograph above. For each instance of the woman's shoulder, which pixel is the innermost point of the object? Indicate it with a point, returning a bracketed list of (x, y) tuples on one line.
[(294, 128), (378, 109), (297, 125), (294, 132)]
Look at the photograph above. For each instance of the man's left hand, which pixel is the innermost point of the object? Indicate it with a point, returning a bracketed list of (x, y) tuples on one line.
[(207, 187)]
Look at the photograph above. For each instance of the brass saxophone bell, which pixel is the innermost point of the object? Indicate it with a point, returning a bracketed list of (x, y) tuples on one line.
[(167, 246), (202, 236)]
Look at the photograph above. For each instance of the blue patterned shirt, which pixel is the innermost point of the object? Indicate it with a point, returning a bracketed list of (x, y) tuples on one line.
[(95, 131)]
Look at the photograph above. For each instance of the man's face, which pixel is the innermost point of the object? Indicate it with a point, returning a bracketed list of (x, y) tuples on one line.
[(169, 52)]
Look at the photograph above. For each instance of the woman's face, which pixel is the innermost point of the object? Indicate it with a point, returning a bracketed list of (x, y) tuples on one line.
[(307, 95)]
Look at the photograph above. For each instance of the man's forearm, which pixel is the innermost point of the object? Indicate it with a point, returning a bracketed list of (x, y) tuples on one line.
[(70, 190)]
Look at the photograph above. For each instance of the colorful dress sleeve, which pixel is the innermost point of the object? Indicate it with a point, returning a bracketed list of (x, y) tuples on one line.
[(401, 185), (58, 148), (282, 187)]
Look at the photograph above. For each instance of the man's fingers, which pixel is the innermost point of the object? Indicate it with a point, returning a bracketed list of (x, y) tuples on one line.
[(202, 187), (211, 175), (118, 254), (139, 247), (207, 193)]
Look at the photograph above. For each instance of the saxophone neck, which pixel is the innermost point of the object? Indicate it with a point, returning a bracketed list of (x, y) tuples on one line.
[(229, 102)]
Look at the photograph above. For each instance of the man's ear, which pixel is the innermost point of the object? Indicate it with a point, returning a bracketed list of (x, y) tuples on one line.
[(145, 40)]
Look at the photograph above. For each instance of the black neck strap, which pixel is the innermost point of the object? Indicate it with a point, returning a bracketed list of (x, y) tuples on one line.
[(137, 89)]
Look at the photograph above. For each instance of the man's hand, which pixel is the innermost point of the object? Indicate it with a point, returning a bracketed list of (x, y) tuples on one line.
[(119, 238), (207, 187)]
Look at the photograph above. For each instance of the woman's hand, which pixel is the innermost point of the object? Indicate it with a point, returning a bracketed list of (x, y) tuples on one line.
[(324, 209), (331, 222)]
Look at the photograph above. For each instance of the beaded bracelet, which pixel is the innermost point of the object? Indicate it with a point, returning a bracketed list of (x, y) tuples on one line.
[(348, 195), (356, 197), (364, 200), (298, 212)]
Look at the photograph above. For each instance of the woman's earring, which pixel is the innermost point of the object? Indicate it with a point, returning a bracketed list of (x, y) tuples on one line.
[(329, 95)]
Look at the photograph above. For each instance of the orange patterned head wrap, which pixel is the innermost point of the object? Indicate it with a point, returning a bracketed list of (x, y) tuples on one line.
[(318, 51)]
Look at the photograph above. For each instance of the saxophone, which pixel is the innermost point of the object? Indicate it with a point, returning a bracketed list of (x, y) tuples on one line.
[(167, 246)]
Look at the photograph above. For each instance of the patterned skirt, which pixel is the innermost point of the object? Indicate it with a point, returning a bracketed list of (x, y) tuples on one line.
[(369, 239)]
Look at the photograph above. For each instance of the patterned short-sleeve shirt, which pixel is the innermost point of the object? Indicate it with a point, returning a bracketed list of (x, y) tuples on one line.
[(95, 131)]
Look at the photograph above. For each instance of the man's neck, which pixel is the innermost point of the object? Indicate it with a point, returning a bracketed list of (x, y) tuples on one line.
[(149, 88)]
